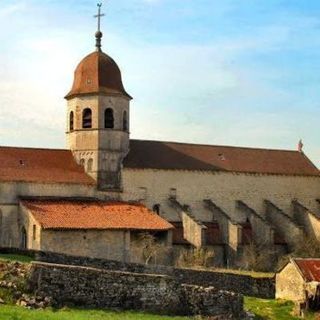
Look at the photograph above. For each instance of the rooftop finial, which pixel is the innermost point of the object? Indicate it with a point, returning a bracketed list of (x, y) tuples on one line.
[(300, 146), (99, 33)]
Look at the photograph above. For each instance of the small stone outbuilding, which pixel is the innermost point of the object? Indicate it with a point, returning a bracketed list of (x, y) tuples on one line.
[(93, 228), (299, 281)]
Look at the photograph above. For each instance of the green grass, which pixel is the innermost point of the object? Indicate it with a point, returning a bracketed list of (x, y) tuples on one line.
[(19, 313), (15, 257), (272, 309), (253, 274)]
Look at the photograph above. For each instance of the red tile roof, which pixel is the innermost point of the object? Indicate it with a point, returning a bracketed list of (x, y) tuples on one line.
[(97, 73), (41, 166), (85, 214), (310, 268), (59, 166), (182, 156)]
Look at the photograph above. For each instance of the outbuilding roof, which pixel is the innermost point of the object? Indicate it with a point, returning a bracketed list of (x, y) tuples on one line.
[(146, 154), (94, 214), (309, 268), (41, 166)]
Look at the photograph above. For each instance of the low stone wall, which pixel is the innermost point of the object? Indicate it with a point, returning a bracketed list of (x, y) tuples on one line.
[(243, 284), (60, 258), (96, 288)]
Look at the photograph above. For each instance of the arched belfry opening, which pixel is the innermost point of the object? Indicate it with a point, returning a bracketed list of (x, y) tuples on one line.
[(87, 118), (125, 121), (108, 119), (71, 121)]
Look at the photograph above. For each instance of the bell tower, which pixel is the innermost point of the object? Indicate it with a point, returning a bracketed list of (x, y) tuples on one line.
[(98, 117)]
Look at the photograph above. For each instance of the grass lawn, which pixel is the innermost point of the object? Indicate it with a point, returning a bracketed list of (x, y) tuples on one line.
[(272, 309), (19, 313), (15, 257), (247, 273)]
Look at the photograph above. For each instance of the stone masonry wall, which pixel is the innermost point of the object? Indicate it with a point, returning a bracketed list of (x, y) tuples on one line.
[(290, 284), (263, 287), (96, 288), (224, 188)]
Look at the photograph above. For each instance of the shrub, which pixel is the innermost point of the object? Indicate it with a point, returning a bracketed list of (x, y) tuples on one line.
[(258, 257), (196, 257)]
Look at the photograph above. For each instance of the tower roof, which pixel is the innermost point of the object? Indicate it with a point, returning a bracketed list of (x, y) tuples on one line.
[(97, 73)]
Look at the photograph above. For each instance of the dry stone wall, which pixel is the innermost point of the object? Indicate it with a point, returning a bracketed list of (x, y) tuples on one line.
[(96, 288), (263, 287), (244, 284)]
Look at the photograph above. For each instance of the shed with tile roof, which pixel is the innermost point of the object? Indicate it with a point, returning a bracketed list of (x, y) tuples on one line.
[(91, 227), (299, 281)]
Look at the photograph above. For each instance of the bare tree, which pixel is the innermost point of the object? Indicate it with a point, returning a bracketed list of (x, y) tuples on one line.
[(196, 257), (258, 257), (151, 247)]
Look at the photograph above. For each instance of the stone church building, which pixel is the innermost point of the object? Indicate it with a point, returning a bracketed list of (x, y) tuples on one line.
[(94, 197)]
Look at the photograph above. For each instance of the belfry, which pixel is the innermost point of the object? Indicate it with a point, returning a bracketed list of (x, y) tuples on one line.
[(98, 117)]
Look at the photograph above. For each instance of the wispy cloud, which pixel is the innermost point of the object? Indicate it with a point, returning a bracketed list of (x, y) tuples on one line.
[(9, 10)]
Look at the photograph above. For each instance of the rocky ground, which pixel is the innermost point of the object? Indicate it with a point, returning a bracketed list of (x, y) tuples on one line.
[(14, 288)]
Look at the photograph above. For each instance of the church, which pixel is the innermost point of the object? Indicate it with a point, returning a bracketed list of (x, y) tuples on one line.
[(97, 196)]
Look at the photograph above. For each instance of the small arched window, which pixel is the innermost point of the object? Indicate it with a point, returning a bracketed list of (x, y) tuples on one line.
[(23, 239), (87, 118), (82, 162), (89, 165), (108, 119), (125, 121), (156, 208), (71, 119), (34, 232)]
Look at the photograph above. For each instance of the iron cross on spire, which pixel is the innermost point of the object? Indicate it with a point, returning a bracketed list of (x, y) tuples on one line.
[(99, 15), (99, 33)]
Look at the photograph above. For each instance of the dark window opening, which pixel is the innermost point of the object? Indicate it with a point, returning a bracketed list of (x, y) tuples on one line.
[(247, 234), (87, 118), (212, 234), (108, 119), (156, 208), (279, 239), (23, 240), (125, 121), (71, 121), (173, 193), (34, 232), (177, 233), (89, 165)]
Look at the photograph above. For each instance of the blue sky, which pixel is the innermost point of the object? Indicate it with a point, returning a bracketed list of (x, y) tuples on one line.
[(231, 72)]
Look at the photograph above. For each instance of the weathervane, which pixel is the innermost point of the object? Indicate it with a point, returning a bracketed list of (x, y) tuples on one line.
[(99, 33), (300, 146)]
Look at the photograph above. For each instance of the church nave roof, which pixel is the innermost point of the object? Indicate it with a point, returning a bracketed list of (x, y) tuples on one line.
[(146, 154), (41, 166)]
